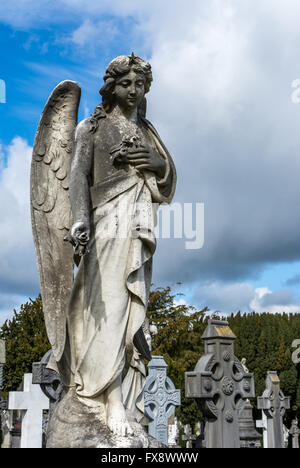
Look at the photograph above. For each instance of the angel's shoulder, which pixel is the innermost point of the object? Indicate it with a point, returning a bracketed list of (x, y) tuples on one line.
[(83, 130)]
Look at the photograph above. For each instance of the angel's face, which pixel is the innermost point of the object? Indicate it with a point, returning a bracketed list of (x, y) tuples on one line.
[(130, 90)]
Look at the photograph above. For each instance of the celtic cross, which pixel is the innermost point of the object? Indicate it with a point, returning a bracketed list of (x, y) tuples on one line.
[(274, 404), (160, 399), (220, 385)]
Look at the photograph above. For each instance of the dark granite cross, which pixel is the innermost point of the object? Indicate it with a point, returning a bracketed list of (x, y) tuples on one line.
[(221, 386)]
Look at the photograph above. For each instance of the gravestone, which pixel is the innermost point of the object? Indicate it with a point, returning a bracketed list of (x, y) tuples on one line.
[(274, 404), (49, 381), (173, 433), (188, 436), (31, 401), (249, 437), (220, 385), (6, 424), (295, 432), (160, 399), (263, 424)]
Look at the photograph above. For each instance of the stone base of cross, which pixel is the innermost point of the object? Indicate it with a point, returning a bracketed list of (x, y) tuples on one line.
[(32, 402)]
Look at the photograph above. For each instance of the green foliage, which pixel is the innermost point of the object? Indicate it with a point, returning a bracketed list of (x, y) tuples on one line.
[(263, 339), (26, 342), (180, 328)]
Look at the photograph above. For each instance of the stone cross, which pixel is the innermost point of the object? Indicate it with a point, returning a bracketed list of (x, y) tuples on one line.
[(220, 385), (263, 424), (32, 401), (2, 361), (274, 404), (295, 432), (49, 380), (160, 399), (188, 436)]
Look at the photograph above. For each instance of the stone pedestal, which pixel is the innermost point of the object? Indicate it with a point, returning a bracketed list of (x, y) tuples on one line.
[(75, 425)]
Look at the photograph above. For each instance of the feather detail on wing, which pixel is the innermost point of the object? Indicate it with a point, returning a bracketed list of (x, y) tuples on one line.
[(50, 207)]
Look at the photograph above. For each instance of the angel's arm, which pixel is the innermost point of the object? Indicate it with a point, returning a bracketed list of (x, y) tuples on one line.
[(81, 167)]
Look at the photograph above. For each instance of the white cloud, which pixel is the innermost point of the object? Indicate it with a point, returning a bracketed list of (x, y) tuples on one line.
[(221, 99), (89, 33), (17, 259), (243, 297)]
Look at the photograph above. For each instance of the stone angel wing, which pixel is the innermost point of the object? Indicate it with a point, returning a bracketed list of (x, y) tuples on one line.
[(50, 207)]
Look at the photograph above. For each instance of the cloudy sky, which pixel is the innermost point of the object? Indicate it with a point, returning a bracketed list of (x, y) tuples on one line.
[(226, 102)]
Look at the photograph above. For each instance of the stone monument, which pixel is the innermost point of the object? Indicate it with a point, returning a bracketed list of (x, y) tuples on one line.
[(295, 432), (274, 404), (48, 380), (263, 424), (31, 401), (249, 437), (160, 399), (96, 188), (220, 385), (188, 437)]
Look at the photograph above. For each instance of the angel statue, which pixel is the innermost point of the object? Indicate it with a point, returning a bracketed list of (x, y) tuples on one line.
[(95, 191)]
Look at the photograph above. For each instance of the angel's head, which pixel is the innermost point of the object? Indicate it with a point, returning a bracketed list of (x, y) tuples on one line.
[(126, 81)]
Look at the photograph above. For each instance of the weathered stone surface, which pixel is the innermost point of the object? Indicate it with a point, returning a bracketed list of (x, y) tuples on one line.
[(75, 425), (32, 401), (98, 185), (249, 437), (274, 404), (220, 385), (160, 399)]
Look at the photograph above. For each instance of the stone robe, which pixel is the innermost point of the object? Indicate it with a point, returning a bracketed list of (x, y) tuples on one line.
[(111, 288)]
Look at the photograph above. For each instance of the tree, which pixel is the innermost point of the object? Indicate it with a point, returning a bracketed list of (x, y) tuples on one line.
[(180, 328), (26, 342)]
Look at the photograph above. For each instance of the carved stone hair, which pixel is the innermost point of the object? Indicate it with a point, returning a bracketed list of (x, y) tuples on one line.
[(117, 68)]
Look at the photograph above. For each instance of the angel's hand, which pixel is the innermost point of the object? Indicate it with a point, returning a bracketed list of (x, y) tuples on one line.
[(79, 236), (144, 159)]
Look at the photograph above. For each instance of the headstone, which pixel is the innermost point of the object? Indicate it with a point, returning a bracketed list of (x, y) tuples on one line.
[(274, 404), (295, 432), (32, 401), (173, 433), (249, 437), (160, 399), (220, 385), (6, 424), (263, 424), (188, 436), (49, 380), (286, 436)]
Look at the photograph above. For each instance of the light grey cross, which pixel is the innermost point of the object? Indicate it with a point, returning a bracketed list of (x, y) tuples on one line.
[(32, 402), (274, 404), (160, 399), (263, 424)]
